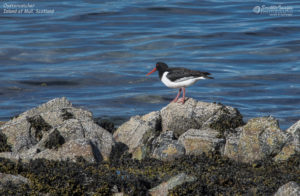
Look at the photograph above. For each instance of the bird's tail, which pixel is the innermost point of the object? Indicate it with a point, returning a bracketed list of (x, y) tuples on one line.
[(206, 75)]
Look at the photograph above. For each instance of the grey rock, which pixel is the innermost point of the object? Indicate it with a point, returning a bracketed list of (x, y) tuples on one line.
[(52, 105), (55, 130), (101, 139), (197, 141), (292, 146), (119, 194), (18, 133), (2, 123), (14, 179), (138, 130), (294, 130), (194, 114), (142, 151), (163, 188), (166, 148), (71, 150), (258, 139), (289, 189), (231, 148)]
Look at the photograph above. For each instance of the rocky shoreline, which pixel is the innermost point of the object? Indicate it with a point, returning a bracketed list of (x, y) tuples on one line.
[(197, 148)]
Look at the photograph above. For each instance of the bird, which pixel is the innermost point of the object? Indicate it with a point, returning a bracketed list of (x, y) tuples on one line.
[(178, 77)]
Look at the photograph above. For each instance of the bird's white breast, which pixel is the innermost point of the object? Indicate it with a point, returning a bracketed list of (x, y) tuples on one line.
[(182, 82)]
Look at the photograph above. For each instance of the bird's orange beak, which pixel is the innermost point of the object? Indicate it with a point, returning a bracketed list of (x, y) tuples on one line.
[(153, 70)]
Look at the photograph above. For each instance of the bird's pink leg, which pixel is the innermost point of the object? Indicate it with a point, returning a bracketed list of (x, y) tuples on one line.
[(176, 98), (183, 96)]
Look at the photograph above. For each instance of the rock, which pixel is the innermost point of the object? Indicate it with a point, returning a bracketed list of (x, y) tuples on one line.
[(295, 131), (231, 148), (105, 124), (196, 115), (258, 139), (71, 150), (292, 146), (118, 151), (163, 188), (119, 194), (141, 152), (197, 141), (4, 147), (101, 139), (166, 148), (290, 189), (138, 130), (14, 179), (54, 140), (2, 123), (57, 131)]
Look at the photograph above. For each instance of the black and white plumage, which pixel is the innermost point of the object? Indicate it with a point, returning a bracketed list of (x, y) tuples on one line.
[(178, 77)]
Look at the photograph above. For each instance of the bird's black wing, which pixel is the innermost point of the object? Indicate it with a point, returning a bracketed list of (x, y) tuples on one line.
[(179, 73)]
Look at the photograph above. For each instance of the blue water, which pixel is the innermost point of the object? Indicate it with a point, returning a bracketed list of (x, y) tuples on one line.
[(96, 53)]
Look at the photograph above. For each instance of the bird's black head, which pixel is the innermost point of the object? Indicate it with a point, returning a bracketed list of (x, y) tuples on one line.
[(160, 66)]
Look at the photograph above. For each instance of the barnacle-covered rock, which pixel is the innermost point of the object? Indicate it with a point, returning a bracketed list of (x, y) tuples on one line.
[(290, 189), (166, 147), (292, 146), (258, 139), (197, 141), (138, 130), (52, 130), (195, 114)]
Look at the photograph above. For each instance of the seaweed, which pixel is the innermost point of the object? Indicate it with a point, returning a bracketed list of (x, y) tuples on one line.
[(38, 126), (66, 115), (215, 175), (105, 124), (54, 140)]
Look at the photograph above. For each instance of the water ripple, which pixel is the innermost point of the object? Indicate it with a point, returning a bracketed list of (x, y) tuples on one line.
[(97, 54)]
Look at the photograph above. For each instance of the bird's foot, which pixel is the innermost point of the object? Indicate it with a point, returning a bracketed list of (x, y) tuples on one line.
[(181, 100), (174, 100)]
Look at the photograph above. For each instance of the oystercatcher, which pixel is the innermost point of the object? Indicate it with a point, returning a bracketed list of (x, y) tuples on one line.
[(178, 77)]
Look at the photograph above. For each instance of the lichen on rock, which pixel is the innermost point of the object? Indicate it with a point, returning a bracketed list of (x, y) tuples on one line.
[(196, 114), (166, 148), (205, 140), (55, 130), (258, 139), (195, 148), (138, 130), (54, 140)]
